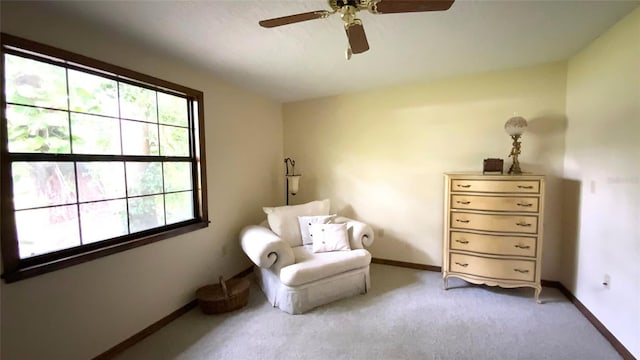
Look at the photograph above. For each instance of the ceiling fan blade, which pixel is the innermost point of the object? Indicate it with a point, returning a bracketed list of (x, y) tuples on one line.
[(404, 6), (357, 38), (285, 20)]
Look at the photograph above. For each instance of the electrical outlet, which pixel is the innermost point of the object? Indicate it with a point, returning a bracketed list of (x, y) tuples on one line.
[(380, 233), (224, 250), (606, 282)]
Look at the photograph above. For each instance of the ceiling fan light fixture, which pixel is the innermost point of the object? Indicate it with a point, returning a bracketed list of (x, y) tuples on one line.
[(348, 13)]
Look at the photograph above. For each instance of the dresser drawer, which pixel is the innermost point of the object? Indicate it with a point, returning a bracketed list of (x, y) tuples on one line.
[(493, 268), (501, 223), (493, 244), (496, 186), (494, 203)]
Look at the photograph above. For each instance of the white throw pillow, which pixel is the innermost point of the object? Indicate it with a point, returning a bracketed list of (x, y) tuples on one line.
[(306, 222), (329, 237), (283, 220)]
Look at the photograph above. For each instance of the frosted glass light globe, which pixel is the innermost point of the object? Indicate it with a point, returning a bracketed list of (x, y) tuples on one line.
[(294, 183), (515, 126)]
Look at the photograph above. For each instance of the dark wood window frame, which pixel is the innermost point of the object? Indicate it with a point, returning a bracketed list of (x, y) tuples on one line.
[(16, 268)]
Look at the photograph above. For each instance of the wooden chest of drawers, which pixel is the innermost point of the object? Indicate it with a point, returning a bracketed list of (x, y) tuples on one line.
[(493, 229)]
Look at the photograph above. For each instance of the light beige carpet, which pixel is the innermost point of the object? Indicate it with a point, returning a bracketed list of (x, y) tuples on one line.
[(406, 315)]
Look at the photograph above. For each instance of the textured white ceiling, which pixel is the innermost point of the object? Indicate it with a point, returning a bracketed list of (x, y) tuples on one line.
[(306, 60)]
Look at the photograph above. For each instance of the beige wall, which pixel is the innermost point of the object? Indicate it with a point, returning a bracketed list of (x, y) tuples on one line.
[(80, 312), (602, 170), (379, 156)]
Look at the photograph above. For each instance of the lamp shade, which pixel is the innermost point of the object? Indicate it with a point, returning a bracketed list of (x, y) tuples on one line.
[(515, 126), (294, 182)]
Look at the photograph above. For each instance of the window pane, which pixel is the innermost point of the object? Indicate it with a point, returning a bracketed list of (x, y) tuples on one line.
[(103, 220), (40, 183), (146, 212), (144, 178), (174, 141), (137, 103), (177, 176), (32, 82), (95, 135), (139, 138), (172, 109), (32, 129), (100, 181), (92, 94), (45, 230), (179, 206)]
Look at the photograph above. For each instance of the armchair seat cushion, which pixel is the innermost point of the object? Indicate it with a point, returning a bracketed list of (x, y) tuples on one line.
[(310, 266)]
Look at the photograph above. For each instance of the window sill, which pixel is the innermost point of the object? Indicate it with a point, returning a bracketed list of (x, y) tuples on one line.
[(28, 272)]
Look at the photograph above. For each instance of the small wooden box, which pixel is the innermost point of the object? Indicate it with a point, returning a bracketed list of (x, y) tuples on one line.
[(492, 166)]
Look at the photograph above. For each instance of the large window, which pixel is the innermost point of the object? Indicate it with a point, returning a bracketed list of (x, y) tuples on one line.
[(95, 159)]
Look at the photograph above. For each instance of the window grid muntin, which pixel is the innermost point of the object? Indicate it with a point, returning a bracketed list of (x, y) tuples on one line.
[(75, 158), (95, 246), (70, 114), (88, 69), (117, 79), (77, 203)]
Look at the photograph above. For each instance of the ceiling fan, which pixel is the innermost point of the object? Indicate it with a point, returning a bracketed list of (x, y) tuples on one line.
[(353, 26)]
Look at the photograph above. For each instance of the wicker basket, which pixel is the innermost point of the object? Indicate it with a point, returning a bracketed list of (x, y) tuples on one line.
[(223, 297)]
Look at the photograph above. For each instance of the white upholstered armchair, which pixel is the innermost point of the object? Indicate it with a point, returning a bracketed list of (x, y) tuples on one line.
[(305, 257)]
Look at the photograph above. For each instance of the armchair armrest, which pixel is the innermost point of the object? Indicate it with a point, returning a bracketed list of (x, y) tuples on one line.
[(265, 248), (361, 235)]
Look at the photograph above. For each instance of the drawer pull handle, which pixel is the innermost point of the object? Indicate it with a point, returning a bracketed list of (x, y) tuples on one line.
[(463, 202), (523, 246), (524, 224), (461, 264), (462, 241), (462, 221), (525, 204), (463, 186), (521, 271), (525, 187)]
